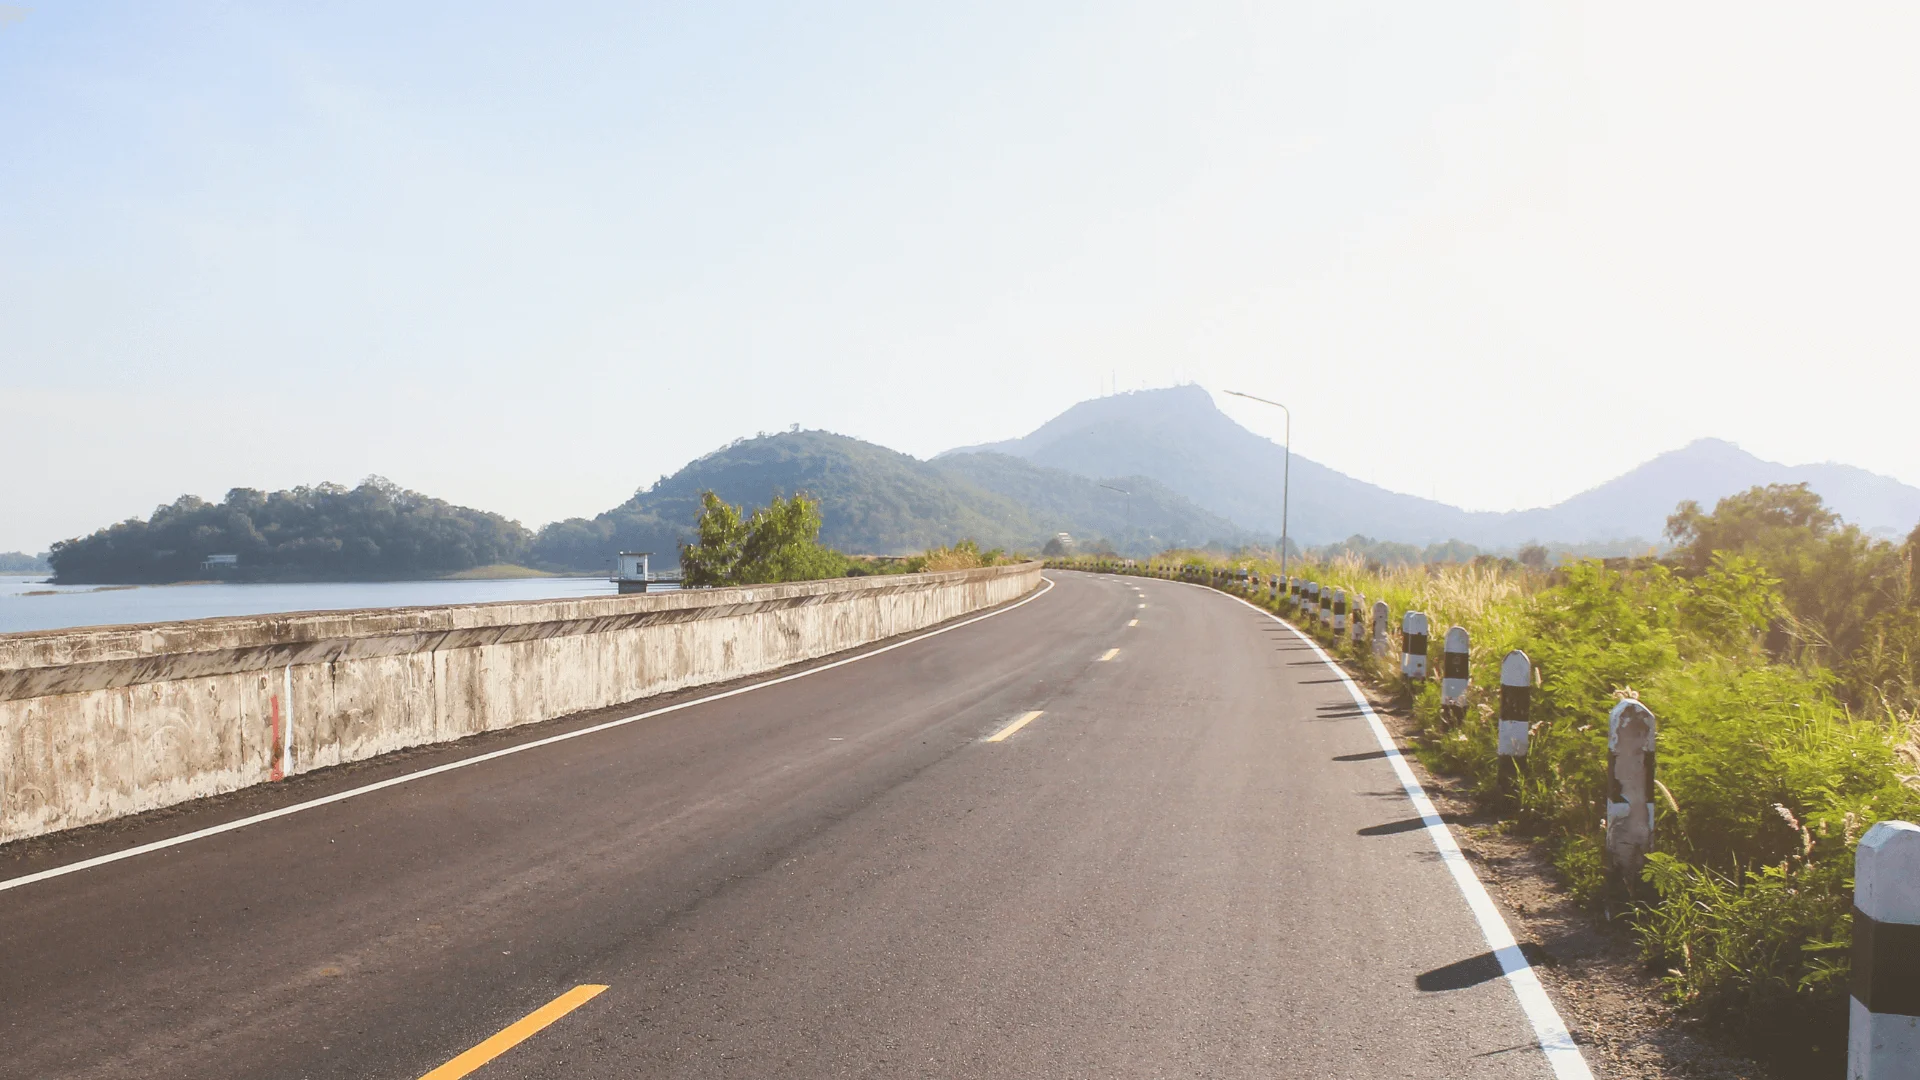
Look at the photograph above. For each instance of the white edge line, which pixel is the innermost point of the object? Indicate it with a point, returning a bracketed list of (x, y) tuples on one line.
[(1555, 1041), (395, 781)]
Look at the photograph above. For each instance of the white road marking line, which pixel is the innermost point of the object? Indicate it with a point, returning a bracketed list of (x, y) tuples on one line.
[(1110, 654), (1563, 1055), (1133, 622), (395, 781), (1001, 735), (1143, 605)]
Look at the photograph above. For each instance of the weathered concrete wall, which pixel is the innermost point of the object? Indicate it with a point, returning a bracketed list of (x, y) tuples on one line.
[(99, 723)]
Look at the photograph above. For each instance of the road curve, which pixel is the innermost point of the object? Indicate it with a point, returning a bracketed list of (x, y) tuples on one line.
[(1193, 861)]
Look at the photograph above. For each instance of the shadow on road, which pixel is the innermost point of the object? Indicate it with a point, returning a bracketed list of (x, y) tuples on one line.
[(1404, 825), (1474, 970)]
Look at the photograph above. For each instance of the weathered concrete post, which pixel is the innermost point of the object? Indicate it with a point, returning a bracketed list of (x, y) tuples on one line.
[(1339, 612), (1413, 645), (1380, 616), (1883, 1024), (1516, 713), (1357, 624), (1312, 598), (1631, 731), (1326, 606), (1454, 672), (1273, 588)]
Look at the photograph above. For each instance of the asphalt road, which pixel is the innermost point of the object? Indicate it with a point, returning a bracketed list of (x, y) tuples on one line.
[(1193, 863)]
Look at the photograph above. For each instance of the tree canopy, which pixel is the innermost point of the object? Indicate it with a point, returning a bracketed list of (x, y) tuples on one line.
[(778, 542), (375, 531)]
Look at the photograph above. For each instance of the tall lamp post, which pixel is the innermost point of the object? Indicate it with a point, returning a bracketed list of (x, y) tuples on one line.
[(1129, 496), (1286, 469)]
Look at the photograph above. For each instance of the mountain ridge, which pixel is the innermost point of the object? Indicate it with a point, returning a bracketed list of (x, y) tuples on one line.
[(1179, 437)]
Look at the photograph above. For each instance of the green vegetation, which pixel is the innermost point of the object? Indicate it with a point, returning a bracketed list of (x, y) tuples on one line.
[(780, 542), (327, 532), (1780, 649)]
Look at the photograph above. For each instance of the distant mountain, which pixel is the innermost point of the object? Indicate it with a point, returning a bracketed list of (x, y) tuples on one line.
[(1179, 438), (878, 501), (1637, 503), (1141, 517)]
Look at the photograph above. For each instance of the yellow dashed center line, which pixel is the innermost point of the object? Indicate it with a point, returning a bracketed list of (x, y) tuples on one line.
[(1110, 654), (515, 1033), (1001, 735)]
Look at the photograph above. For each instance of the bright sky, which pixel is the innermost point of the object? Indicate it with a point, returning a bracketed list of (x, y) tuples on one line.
[(530, 257)]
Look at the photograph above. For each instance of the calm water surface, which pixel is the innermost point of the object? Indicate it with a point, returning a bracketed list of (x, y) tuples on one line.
[(27, 602)]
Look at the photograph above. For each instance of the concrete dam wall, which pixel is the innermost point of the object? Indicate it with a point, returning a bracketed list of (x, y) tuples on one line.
[(99, 723)]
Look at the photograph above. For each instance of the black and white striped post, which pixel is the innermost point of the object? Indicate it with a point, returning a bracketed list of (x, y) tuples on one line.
[(1631, 736), (1883, 1024), (1326, 606), (1413, 645), (1357, 624), (1313, 601), (1273, 588), (1516, 712), (1454, 672), (1380, 617), (1339, 612)]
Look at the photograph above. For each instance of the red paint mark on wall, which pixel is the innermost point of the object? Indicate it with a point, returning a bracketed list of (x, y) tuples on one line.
[(278, 761)]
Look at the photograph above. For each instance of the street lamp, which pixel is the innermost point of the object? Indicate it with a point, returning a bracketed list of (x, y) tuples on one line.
[(1286, 469), (1129, 496)]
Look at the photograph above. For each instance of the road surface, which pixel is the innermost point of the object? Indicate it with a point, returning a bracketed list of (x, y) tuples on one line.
[(1195, 861)]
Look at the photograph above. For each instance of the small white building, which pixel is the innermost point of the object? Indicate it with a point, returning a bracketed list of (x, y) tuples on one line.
[(220, 562), (630, 571)]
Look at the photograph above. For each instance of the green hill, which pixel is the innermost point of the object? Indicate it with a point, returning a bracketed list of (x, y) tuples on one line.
[(874, 501), (881, 502)]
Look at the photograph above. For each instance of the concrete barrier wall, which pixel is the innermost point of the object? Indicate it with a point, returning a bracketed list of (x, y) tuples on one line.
[(99, 723)]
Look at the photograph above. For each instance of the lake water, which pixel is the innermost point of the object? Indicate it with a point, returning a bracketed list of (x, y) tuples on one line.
[(28, 603)]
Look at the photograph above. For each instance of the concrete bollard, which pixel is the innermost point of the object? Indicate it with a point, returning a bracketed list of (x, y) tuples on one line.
[(1413, 645), (1516, 716), (1339, 612), (1273, 588), (1357, 623), (1380, 616), (1516, 704), (1631, 731), (1883, 1022), (1326, 606), (1454, 672), (1312, 597)]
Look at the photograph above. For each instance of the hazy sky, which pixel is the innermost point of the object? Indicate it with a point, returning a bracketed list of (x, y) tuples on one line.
[(530, 257)]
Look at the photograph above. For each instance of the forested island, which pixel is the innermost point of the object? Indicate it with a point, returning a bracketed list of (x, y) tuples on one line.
[(377, 531), (19, 562)]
